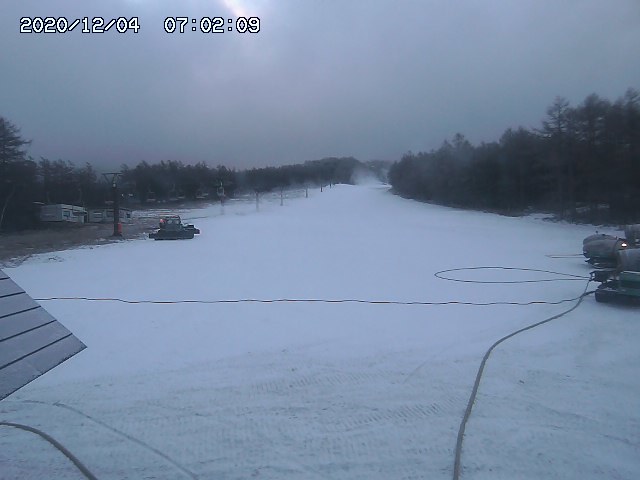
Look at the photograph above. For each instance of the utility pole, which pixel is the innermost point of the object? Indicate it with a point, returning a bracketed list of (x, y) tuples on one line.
[(221, 196), (117, 226)]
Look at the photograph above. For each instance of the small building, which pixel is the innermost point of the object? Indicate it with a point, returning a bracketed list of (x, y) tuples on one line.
[(105, 215), (60, 212)]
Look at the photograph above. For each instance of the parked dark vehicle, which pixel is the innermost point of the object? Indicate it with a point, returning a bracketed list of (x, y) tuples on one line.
[(172, 228)]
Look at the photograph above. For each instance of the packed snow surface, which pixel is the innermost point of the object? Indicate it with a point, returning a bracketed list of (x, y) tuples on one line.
[(330, 391)]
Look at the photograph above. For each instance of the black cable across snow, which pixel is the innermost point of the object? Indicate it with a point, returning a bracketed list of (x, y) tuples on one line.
[(559, 276), (79, 465), (306, 300), (476, 385), (441, 275), (133, 439), (161, 454)]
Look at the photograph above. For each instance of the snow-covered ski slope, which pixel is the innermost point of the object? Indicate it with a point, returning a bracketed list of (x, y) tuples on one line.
[(330, 391)]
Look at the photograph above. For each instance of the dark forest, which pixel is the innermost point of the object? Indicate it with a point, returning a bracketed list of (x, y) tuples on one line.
[(582, 164)]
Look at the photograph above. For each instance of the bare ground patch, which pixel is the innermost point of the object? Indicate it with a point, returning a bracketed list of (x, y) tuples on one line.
[(16, 247)]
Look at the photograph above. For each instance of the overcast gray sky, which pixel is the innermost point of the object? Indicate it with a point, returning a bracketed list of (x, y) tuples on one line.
[(372, 79)]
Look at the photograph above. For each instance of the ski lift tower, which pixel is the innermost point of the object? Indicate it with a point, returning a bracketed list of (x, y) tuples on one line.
[(112, 178), (220, 192)]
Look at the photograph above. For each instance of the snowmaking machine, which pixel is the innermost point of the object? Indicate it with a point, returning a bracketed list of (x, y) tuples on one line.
[(632, 235), (172, 228), (622, 283), (601, 249)]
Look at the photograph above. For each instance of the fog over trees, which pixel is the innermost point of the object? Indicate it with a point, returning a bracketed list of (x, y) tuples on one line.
[(582, 163), (25, 183)]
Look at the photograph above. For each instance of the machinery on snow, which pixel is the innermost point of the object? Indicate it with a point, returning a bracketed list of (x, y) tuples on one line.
[(619, 262), (601, 250), (622, 283), (632, 234), (172, 228)]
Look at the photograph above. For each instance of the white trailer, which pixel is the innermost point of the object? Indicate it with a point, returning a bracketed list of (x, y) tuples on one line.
[(60, 212), (105, 215)]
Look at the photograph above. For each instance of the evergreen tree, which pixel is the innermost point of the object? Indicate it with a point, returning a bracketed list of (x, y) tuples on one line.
[(17, 177)]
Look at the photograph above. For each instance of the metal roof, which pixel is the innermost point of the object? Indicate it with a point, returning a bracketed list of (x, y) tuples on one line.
[(32, 342)]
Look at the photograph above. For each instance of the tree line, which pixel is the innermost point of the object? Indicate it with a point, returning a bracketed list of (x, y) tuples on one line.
[(582, 163), (169, 180), (25, 184)]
